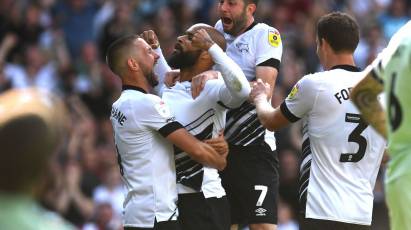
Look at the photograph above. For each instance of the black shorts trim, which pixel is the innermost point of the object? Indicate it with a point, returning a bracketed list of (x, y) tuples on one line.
[(169, 128), (287, 113), (315, 224)]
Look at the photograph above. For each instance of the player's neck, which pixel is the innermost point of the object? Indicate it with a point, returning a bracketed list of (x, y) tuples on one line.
[(339, 59), (186, 74), (250, 21), (137, 81)]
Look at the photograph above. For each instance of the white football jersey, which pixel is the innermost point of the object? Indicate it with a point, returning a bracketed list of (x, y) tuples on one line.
[(341, 153), (140, 122), (257, 45), (204, 117)]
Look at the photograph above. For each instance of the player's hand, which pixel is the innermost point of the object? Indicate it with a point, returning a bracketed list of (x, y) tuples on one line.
[(198, 82), (151, 38), (259, 91), (171, 78), (202, 40), (219, 144)]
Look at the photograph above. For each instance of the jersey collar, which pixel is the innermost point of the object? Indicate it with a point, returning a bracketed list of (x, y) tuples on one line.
[(350, 68), (251, 26), (125, 87)]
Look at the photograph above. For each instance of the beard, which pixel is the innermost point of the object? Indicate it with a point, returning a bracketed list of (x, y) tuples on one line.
[(152, 79), (239, 23), (180, 59)]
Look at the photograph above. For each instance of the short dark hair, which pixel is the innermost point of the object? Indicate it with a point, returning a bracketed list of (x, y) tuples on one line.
[(251, 1), (340, 30), (116, 50)]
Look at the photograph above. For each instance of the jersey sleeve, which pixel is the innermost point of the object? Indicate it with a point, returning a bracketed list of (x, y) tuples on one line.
[(300, 100), (160, 69), (236, 88), (156, 114), (269, 48)]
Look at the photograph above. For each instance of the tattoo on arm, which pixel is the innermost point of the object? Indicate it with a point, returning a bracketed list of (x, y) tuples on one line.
[(364, 97)]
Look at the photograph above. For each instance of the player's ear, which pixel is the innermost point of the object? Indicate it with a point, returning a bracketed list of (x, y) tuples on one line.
[(205, 57), (251, 8), (132, 64)]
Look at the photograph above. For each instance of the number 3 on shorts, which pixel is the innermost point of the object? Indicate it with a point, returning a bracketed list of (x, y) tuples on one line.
[(263, 193)]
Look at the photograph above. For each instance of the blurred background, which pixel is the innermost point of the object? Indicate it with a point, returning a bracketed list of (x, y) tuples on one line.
[(60, 45)]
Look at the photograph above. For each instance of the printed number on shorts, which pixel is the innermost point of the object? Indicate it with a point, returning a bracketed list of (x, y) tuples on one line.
[(263, 193)]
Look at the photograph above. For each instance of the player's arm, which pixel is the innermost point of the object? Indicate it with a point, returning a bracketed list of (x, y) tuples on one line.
[(237, 86), (197, 150), (270, 118), (268, 55), (267, 74), (161, 67), (364, 95)]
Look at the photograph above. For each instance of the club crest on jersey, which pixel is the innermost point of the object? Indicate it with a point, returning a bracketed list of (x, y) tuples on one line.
[(274, 38), (242, 47), (293, 92), (163, 109)]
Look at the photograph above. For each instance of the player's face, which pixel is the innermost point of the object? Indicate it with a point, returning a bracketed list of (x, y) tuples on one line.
[(233, 15), (148, 58), (184, 54)]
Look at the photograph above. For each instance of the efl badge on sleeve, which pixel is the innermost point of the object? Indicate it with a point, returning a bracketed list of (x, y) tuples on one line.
[(293, 92), (163, 109), (274, 38)]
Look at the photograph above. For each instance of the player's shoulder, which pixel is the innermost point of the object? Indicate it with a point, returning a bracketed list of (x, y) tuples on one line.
[(264, 27), (311, 82), (213, 85), (262, 31)]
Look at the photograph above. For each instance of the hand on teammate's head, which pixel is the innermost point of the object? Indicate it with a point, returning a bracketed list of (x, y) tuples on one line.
[(202, 40), (151, 38)]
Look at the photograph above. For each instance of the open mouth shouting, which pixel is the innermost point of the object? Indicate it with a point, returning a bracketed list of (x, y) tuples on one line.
[(227, 22)]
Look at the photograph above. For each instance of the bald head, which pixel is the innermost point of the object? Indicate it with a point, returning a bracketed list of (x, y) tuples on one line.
[(217, 37), (31, 127)]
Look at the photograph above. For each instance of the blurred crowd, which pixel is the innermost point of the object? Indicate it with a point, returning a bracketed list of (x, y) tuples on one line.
[(60, 45)]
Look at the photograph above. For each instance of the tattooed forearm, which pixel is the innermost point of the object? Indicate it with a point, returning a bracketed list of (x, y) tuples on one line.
[(364, 96)]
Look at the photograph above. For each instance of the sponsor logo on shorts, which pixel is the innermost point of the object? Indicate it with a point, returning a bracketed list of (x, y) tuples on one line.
[(260, 212)]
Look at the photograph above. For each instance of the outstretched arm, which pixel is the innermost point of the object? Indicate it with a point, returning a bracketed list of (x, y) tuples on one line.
[(236, 83), (364, 95), (161, 67)]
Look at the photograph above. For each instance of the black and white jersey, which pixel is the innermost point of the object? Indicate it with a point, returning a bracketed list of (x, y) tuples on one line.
[(140, 122), (259, 45), (341, 152), (204, 117)]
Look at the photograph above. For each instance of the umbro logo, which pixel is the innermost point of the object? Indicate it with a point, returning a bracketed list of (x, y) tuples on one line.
[(260, 212)]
